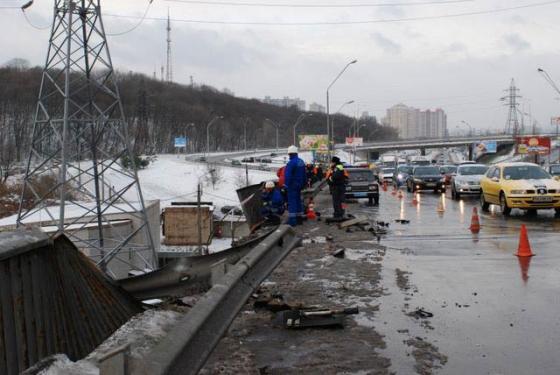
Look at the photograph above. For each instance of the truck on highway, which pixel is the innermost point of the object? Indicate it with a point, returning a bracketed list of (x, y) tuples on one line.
[(418, 160)]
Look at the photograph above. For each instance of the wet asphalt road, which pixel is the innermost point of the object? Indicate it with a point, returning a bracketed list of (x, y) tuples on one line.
[(492, 313)]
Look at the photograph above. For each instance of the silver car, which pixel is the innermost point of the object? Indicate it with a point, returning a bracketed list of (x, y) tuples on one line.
[(467, 179)]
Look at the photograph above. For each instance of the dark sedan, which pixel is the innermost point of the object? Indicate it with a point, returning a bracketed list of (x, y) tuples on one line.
[(425, 178)]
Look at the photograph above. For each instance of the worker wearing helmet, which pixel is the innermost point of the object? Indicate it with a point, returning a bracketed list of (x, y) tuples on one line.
[(273, 204), (295, 179)]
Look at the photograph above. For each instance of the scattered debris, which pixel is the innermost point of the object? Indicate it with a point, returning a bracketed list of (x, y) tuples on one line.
[(420, 313), (331, 220), (339, 253), (402, 221), (313, 318), (272, 302), (352, 222), (427, 356)]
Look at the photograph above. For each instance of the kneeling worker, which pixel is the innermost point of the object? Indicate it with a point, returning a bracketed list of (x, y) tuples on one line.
[(273, 204)]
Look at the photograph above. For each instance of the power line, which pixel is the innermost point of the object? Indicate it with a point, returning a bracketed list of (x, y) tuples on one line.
[(334, 23), (279, 5), (32, 24), (138, 24)]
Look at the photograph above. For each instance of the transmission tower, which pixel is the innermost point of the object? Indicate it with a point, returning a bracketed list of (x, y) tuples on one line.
[(511, 99), (80, 142), (169, 75)]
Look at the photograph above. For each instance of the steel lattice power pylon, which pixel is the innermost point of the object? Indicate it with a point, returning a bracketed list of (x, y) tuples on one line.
[(512, 99), (80, 141)]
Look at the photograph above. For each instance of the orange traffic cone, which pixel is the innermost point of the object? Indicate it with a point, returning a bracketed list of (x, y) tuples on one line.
[(414, 201), (400, 196), (475, 223), (311, 210), (524, 249), (384, 185)]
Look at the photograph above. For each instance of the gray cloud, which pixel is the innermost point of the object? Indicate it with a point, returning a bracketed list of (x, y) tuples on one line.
[(386, 44), (516, 42)]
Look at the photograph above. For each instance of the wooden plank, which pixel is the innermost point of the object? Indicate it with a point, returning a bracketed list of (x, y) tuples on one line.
[(356, 221)]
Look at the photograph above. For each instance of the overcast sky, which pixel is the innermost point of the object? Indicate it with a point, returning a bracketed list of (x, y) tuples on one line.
[(460, 64)]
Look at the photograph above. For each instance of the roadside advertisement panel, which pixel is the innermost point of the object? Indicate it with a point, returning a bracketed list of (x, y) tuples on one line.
[(533, 145), (180, 142), (485, 147), (354, 141), (316, 142)]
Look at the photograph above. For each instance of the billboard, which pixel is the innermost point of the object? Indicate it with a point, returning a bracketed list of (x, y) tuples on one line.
[(180, 142), (317, 142), (533, 145), (484, 147), (354, 141)]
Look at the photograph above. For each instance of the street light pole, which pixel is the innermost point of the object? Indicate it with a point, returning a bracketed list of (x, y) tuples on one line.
[(551, 82), (190, 124), (208, 132), (470, 127), (340, 109), (246, 120), (358, 132), (298, 121), (329, 128), (277, 126)]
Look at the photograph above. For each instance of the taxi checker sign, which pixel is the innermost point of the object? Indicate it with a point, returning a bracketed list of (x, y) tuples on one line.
[(533, 145)]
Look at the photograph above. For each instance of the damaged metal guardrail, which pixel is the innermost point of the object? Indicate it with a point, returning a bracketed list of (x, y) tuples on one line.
[(190, 343)]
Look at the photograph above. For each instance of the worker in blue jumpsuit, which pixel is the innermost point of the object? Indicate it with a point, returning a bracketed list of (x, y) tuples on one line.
[(273, 204), (295, 179)]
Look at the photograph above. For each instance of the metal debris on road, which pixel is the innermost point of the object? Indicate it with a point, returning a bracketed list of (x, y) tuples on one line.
[(313, 318), (402, 221), (420, 313), (339, 253)]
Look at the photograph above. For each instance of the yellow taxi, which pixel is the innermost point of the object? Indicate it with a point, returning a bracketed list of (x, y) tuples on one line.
[(519, 185)]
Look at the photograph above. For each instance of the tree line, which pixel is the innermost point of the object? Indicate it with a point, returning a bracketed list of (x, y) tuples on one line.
[(157, 112)]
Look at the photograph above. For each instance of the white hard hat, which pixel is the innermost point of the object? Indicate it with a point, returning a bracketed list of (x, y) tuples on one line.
[(292, 150), (269, 185)]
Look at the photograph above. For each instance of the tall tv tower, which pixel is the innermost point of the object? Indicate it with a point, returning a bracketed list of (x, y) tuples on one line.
[(169, 75), (512, 123), (81, 143)]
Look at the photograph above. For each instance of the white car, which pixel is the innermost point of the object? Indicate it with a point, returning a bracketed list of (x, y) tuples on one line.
[(467, 179), (386, 174)]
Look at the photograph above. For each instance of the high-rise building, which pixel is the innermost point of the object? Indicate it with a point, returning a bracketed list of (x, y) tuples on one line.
[(315, 107), (413, 123), (286, 102)]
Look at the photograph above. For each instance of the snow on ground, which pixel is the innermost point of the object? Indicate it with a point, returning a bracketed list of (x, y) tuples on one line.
[(170, 178), (64, 366), (142, 333)]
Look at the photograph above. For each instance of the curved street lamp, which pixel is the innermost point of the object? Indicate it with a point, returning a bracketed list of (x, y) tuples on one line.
[(298, 121), (216, 118), (470, 127), (277, 126), (329, 130)]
